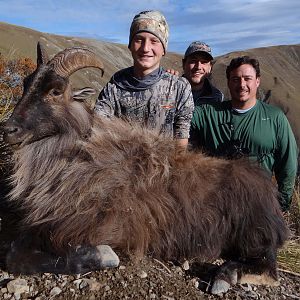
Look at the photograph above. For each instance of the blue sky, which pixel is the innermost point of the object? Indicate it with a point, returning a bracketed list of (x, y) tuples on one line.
[(226, 25)]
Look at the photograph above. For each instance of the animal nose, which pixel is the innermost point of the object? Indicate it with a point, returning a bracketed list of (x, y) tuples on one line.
[(11, 133), (11, 129)]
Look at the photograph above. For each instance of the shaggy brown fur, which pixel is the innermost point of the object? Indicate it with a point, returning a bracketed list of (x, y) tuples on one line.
[(96, 181), (125, 186)]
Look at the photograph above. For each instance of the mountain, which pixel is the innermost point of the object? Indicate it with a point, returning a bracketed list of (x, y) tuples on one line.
[(280, 65), (17, 41)]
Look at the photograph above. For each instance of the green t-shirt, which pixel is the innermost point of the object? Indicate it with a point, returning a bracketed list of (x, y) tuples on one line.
[(263, 133)]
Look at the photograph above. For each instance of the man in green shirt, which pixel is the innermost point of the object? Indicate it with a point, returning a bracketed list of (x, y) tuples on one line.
[(246, 126)]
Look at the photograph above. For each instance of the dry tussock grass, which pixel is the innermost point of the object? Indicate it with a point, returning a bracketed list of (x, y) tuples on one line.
[(12, 73), (289, 256), (5, 112)]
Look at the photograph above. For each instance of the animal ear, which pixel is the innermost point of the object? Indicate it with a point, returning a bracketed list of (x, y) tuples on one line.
[(42, 56), (82, 94)]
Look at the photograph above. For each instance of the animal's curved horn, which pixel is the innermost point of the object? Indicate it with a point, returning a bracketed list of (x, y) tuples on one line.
[(70, 60), (42, 56)]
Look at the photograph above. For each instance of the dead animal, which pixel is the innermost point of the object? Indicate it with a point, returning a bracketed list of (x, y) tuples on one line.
[(82, 180)]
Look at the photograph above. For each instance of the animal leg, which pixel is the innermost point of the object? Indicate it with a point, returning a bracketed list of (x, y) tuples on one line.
[(261, 271), (23, 259)]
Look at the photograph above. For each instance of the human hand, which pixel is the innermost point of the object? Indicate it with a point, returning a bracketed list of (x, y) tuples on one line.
[(173, 72)]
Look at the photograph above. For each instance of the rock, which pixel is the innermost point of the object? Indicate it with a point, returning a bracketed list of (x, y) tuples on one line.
[(195, 282), (93, 284), (55, 291), (253, 295), (142, 274), (246, 287), (83, 284), (17, 296), (178, 270), (186, 265), (219, 287), (18, 286), (77, 283), (167, 297), (108, 258)]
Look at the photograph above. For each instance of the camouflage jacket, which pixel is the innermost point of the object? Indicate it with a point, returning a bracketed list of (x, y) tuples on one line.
[(166, 105)]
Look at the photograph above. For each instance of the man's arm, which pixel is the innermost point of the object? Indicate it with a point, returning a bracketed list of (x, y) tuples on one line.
[(181, 144), (184, 112), (285, 162), (196, 138)]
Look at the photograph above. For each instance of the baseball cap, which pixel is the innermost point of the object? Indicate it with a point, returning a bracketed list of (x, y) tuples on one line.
[(198, 47)]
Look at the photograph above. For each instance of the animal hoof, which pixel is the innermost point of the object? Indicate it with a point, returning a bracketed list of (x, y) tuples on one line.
[(108, 258), (233, 277), (220, 286), (88, 258)]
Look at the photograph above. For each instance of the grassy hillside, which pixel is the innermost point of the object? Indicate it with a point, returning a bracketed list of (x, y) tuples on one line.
[(280, 65)]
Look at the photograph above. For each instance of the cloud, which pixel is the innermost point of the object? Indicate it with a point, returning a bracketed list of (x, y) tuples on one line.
[(245, 25), (227, 25)]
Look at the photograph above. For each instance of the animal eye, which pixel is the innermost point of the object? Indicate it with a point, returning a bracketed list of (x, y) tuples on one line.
[(55, 92)]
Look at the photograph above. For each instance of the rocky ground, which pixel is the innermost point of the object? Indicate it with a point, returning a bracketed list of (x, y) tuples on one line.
[(149, 279)]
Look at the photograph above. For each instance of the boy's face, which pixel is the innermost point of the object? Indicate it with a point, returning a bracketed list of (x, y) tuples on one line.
[(147, 51)]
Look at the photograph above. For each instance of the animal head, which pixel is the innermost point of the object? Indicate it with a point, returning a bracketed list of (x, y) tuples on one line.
[(43, 108)]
